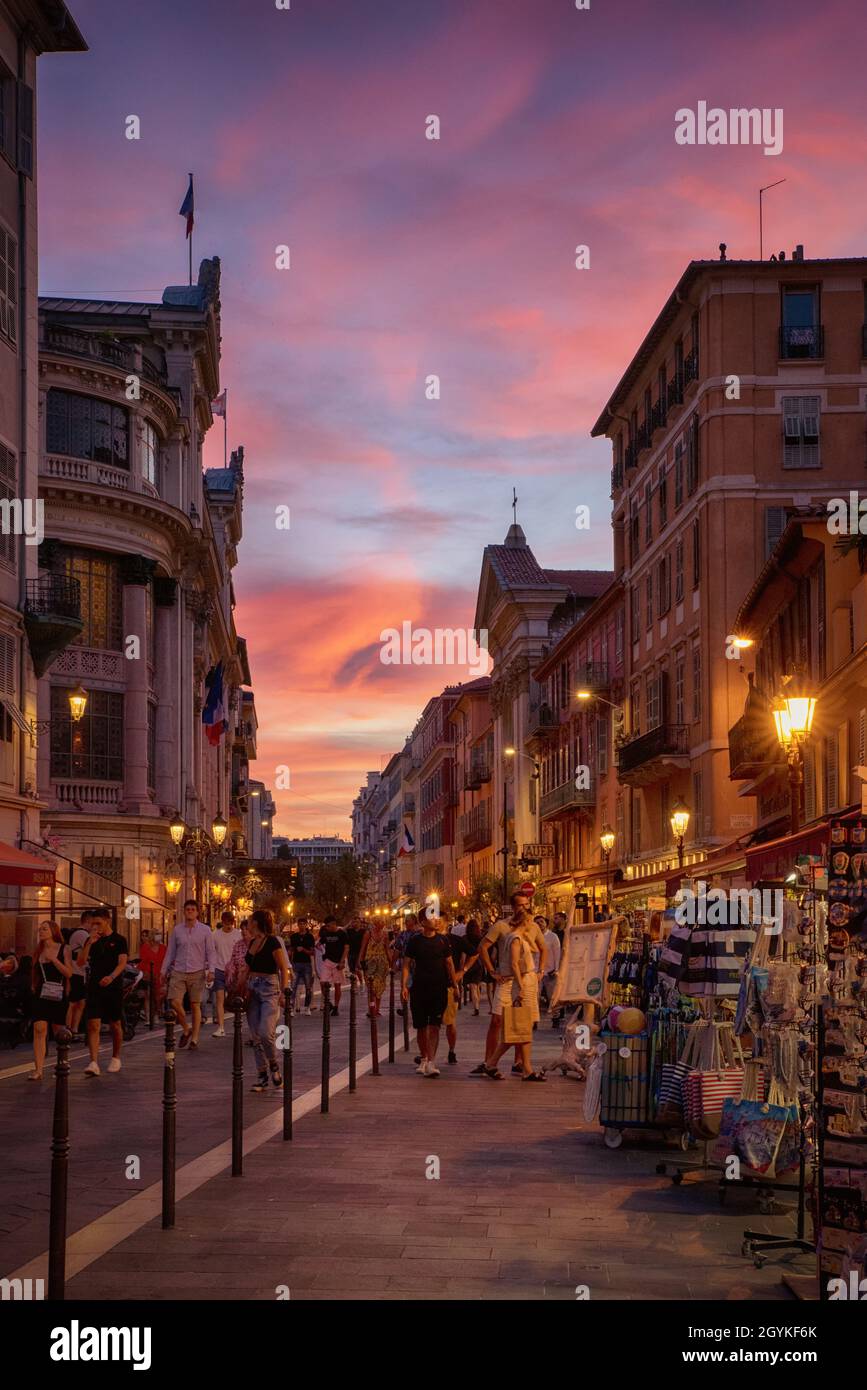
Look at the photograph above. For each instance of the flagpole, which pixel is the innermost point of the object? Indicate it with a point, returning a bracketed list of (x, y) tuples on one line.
[(191, 241)]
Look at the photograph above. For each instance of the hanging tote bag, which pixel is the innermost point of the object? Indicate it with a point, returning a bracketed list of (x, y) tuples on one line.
[(673, 1078), (719, 1078)]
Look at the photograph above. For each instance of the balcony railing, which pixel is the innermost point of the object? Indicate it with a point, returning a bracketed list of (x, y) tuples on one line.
[(617, 475), (592, 675), (665, 739), (72, 342), (807, 340), (79, 795), (567, 797), (675, 391), (752, 748), (690, 367), (475, 827), (475, 775), (542, 720), (658, 415), (54, 595)]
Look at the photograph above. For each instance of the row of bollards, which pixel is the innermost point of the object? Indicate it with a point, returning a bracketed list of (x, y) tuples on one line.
[(60, 1128)]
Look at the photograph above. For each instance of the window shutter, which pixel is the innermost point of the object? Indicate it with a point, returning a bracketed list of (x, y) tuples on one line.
[(25, 129), (8, 650), (862, 737), (810, 783), (810, 417), (831, 789), (775, 525), (792, 419)]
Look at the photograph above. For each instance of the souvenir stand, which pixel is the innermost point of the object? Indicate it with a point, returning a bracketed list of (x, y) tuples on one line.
[(842, 1097)]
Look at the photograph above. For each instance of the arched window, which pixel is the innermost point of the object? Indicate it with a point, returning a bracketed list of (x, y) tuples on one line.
[(85, 427)]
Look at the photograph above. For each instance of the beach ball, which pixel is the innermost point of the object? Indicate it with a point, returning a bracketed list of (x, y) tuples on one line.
[(630, 1020)]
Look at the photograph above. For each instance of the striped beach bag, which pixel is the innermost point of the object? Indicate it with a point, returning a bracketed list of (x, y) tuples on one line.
[(720, 1079)]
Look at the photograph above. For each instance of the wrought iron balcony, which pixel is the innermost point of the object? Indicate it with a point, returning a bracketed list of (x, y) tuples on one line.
[(804, 341), (475, 775), (690, 367), (753, 749), (675, 391), (52, 617), (642, 758), (616, 477), (542, 720), (567, 797), (475, 828), (592, 675)]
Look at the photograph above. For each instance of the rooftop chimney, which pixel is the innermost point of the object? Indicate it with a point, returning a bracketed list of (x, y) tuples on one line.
[(722, 250), (798, 253), (781, 255)]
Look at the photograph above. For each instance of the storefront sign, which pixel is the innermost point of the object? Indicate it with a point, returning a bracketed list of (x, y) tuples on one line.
[(584, 964), (538, 852), (656, 904)]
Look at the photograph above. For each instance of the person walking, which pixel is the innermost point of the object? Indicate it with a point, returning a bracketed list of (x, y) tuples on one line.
[(462, 957), (517, 986), (50, 979), (267, 982), (433, 974), (552, 963), (474, 970), (355, 935), (335, 952), (226, 938), (77, 988), (105, 953), (502, 972), (376, 960), (188, 966), (302, 946)]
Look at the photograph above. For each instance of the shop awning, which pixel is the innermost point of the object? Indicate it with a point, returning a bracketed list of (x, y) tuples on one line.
[(776, 859), (25, 870)]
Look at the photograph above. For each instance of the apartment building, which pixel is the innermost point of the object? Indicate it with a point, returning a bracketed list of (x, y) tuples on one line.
[(259, 821), (806, 615), (433, 759), (473, 733), (36, 620), (517, 601), (745, 400), (572, 738)]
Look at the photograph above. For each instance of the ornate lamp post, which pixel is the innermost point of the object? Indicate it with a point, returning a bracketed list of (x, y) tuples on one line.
[(793, 720), (679, 822), (606, 840), (196, 841)]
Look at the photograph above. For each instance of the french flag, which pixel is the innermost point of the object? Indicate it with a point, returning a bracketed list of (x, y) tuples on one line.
[(408, 842), (187, 208), (214, 713)]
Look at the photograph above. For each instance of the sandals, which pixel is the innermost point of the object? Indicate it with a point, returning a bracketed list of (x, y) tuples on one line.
[(492, 1074), (535, 1076)]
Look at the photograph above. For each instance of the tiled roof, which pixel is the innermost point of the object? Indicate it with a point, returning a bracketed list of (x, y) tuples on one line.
[(515, 565), (135, 309), (582, 583)]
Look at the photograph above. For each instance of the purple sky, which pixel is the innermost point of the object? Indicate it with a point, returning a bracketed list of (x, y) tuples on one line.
[(410, 257)]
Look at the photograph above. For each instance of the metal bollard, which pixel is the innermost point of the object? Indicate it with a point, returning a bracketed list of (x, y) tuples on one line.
[(152, 1001), (406, 1026), (353, 1039), (374, 1044), (391, 1016), (59, 1173), (326, 1048), (238, 1093), (287, 1066), (169, 1125)]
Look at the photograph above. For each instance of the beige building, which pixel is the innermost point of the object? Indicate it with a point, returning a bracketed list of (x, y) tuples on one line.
[(28, 609), (151, 540), (746, 398)]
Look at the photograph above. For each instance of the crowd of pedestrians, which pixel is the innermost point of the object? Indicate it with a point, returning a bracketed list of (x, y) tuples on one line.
[(74, 979)]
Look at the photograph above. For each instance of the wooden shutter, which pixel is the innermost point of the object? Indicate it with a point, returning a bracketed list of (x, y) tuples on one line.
[(775, 525), (809, 784), (25, 129)]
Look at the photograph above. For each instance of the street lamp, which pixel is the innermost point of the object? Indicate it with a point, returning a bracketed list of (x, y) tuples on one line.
[(77, 703), (606, 840), (793, 719), (679, 822), (195, 840)]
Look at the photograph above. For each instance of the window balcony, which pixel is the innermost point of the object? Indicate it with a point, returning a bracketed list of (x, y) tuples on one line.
[(79, 794), (475, 828), (753, 749), (52, 618), (658, 415), (592, 675), (476, 774), (74, 470), (567, 797), (690, 368), (806, 341), (126, 356), (647, 757), (675, 391), (542, 721)]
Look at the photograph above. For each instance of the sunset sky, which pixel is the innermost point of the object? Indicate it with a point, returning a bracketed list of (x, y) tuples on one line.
[(411, 257)]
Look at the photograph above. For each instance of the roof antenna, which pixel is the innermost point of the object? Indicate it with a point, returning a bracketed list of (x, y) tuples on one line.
[(761, 228), (514, 507)]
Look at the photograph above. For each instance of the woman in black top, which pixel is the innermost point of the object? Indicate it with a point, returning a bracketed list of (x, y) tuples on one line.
[(50, 976), (268, 978)]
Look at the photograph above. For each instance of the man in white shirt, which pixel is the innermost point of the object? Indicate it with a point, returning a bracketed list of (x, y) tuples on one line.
[(552, 961), (459, 926), (225, 938)]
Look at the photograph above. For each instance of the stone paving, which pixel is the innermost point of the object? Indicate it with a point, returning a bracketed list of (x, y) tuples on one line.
[(529, 1203)]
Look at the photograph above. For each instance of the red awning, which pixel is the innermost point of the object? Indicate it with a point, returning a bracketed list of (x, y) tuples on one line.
[(776, 859), (25, 870)]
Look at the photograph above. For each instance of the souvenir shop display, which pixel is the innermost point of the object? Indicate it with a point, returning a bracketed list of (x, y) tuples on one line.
[(842, 1100)]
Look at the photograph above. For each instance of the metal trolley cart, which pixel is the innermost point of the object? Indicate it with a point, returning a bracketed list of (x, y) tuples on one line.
[(627, 1092)]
